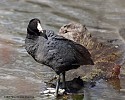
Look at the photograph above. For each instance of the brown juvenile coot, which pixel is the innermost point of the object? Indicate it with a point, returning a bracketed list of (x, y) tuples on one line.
[(55, 51)]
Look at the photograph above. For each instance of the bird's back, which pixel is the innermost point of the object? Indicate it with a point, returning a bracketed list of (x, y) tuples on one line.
[(60, 53)]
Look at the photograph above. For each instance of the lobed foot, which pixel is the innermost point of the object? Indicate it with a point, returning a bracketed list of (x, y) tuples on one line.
[(51, 91)]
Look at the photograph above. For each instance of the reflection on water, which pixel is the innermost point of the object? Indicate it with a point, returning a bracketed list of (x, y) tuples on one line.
[(115, 83), (21, 75)]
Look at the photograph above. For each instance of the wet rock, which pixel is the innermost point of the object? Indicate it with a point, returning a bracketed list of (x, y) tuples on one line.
[(108, 58), (76, 85), (71, 86)]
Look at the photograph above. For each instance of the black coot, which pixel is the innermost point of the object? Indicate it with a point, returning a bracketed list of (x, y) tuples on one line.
[(55, 51)]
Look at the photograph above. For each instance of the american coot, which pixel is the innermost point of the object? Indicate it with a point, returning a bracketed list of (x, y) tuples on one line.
[(54, 50)]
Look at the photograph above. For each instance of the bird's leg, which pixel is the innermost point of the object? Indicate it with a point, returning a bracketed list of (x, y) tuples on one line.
[(63, 82), (57, 85)]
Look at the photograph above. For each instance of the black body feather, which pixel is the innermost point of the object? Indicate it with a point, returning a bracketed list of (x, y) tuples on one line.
[(57, 52)]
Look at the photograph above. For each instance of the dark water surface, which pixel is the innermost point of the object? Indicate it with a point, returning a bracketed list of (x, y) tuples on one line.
[(21, 75)]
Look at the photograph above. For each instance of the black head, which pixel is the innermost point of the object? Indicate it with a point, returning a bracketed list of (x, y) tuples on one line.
[(34, 27)]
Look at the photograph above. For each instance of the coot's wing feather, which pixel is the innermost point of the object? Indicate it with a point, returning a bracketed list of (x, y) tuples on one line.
[(80, 52)]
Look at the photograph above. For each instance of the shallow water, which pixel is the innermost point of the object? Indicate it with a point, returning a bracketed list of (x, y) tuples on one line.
[(21, 75)]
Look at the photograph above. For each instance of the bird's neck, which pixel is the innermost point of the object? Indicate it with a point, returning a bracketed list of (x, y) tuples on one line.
[(31, 34), (32, 37)]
